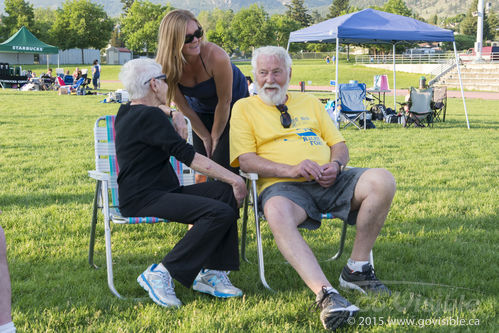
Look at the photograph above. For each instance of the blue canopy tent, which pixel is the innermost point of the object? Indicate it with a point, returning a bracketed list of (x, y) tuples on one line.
[(370, 26)]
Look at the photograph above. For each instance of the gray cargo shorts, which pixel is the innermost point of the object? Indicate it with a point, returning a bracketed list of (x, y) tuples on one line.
[(317, 200)]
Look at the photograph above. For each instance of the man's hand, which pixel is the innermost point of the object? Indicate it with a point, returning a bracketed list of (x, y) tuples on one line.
[(179, 124), (308, 169), (239, 189), (329, 172)]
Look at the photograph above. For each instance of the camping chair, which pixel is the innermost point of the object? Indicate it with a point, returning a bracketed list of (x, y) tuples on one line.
[(68, 79), (70, 88), (352, 108), (106, 174), (420, 107), (59, 72), (252, 197), (439, 102)]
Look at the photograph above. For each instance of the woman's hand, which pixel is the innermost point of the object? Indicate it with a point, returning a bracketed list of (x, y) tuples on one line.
[(179, 124), (208, 146)]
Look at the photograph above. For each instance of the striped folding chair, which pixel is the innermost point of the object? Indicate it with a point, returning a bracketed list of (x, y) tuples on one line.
[(106, 191), (252, 196)]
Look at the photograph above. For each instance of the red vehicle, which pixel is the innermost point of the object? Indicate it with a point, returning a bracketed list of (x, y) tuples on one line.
[(490, 53)]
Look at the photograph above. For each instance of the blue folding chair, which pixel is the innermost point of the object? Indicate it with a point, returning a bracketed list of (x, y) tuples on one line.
[(106, 174), (352, 108)]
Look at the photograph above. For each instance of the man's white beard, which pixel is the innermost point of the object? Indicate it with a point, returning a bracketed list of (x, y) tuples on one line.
[(276, 98)]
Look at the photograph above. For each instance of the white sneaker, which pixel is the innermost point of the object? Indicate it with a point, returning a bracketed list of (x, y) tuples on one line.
[(215, 283), (160, 286)]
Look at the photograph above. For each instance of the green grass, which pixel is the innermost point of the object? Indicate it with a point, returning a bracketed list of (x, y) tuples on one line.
[(438, 248)]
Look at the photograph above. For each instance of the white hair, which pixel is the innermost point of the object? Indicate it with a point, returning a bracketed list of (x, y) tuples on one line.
[(135, 72), (276, 51)]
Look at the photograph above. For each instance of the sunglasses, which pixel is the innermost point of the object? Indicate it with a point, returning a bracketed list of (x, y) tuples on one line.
[(285, 116), (159, 77), (190, 37)]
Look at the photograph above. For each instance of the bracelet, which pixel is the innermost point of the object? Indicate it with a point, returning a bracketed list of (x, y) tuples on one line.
[(340, 167)]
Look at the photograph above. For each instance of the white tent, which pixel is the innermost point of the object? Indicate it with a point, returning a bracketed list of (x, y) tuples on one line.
[(371, 26)]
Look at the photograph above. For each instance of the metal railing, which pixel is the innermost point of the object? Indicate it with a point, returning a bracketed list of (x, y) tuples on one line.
[(431, 58), (442, 70)]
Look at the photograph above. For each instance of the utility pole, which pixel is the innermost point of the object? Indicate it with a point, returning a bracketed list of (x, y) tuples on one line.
[(479, 32)]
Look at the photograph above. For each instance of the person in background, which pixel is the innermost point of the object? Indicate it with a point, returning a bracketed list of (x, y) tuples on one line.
[(203, 83), (76, 74), (6, 324), (148, 133), (251, 86), (96, 71)]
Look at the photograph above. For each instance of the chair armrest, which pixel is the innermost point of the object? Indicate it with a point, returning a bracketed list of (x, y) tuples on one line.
[(97, 175), (249, 175)]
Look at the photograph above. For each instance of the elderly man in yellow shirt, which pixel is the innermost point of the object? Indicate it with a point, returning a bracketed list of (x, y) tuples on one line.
[(299, 155)]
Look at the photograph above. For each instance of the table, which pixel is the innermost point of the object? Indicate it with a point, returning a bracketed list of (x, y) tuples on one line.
[(379, 92), (8, 81)]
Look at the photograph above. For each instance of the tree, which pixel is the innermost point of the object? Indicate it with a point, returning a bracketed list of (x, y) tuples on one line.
[(469, 24), (283, 25), (44, 19), (81, 24), (398, 7), (219, 31), (127, 4), (338, 7), (139, 27), (298, 12), (116, 39), (20, 13), (251, 27)]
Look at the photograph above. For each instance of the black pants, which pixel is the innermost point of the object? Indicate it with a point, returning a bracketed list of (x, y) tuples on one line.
[(212, 241), (221, 153)]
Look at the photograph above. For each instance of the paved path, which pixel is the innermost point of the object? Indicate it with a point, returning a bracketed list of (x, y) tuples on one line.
[(400, 92), (403, 92)]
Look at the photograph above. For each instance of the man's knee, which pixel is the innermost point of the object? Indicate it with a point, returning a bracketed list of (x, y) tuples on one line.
[(379, 182), (281, 212)]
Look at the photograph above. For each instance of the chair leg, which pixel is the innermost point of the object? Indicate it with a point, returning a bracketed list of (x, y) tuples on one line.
[(244, 226), (342, 243), (92, 226), (107, 236), (261, 265)]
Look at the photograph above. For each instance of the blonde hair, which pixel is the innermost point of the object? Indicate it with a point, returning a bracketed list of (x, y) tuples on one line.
[(171, 38)]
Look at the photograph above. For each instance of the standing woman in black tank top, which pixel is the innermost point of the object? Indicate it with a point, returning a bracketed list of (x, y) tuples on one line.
[(206, 84)]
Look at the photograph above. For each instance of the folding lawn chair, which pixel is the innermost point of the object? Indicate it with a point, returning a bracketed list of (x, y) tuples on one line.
[(106, 174), (252, 197), (71, 87), (352, 108), (439, 102), (420, 107)]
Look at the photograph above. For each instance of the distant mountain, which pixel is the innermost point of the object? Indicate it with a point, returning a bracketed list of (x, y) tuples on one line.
[(425, 8)]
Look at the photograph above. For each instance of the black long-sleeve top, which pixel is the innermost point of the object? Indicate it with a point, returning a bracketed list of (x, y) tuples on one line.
[(145, 140)]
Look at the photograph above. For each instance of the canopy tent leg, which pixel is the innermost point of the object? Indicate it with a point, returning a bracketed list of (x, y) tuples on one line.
[(394, 81), (336, 82), (461, 83)]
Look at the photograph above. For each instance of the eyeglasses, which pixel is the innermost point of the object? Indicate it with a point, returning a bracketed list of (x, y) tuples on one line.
[(159, 77), (285, 116), (190, 37)]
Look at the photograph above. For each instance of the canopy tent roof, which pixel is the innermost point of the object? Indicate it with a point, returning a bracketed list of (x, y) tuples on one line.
[(24, 41), (371, 26)]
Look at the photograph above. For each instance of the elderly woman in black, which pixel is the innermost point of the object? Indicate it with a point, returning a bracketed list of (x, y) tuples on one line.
[(147, 134)]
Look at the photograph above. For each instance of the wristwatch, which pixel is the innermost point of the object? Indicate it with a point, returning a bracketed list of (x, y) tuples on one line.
[(341, 167)]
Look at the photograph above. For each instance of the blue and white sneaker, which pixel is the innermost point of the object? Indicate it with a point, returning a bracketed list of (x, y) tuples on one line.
[(160, 286), (215, 283)]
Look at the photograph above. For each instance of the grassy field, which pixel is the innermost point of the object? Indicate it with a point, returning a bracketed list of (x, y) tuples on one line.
[(438, 251), (316, 71)]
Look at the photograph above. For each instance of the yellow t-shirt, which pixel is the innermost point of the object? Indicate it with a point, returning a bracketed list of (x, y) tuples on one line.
[(255, 127)]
